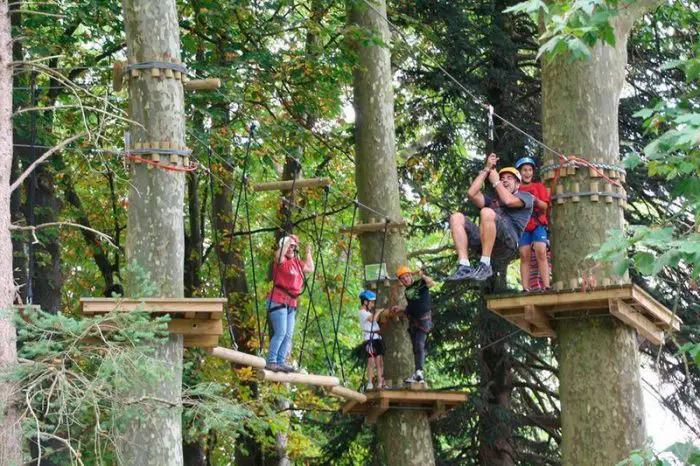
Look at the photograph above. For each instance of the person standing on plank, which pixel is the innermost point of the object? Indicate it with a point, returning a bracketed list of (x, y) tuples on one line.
[(503, 219), (287, 284), (535, 234), (373, 344), (418, 313)]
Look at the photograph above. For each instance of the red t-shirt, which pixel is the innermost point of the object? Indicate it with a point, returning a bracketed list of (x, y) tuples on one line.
[(540, 192), (288, 279)]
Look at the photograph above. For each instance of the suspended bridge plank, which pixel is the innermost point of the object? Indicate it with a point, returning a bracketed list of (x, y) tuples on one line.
[(534, 312), (294, 377), (373, 227), (288, 185), (243, 359), (349, 394), (436, 402)]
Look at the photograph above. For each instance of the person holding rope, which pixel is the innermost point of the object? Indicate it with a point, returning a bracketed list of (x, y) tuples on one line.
[(287, 285), (535, 234), (417, 293), (503, 219), (373, 344)]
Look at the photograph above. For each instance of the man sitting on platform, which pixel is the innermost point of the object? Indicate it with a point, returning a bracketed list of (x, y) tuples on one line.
[(503, 219)]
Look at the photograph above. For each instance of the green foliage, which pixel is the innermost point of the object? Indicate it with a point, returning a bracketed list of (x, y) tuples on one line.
[(678, 453), (674, 154), (77, 378), (572, 27)]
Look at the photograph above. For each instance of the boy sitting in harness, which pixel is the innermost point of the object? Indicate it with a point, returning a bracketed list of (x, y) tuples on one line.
[(535, 234), (373, 344), (418, 313)]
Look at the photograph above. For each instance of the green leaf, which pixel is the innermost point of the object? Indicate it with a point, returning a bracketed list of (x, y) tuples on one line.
[(632, 161), (644, 262), (643, 113), (578, 48), (620, 267)]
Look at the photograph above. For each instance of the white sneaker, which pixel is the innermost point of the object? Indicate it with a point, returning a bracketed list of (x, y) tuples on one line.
[(415, 378), (369, 386)]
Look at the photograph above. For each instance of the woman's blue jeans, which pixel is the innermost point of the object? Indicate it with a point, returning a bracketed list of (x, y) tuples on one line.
[(282, 322)]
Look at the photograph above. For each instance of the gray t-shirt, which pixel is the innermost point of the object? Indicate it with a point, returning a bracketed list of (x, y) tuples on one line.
[(518, 216)]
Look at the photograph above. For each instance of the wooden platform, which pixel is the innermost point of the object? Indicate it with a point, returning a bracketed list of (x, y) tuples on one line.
[(436, 403), (197, 319), (534, 312)]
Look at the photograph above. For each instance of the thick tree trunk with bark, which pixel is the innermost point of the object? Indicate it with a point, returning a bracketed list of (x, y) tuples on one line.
[(10, 437), (155, 239), (404, 435), (601, 394)]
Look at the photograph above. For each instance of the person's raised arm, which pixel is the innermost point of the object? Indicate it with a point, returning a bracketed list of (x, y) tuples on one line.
[(281, 253), (308, 266), (504, 195), (429, 282), (474, 192)]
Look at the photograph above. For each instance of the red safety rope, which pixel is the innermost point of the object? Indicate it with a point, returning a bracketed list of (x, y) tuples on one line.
[(191, 168)]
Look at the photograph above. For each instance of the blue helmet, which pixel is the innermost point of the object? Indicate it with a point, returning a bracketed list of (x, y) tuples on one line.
[(368, 295), (525, 160)]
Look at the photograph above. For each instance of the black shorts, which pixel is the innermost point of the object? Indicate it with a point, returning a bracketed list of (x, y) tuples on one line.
[(374, 347), (506, 245)]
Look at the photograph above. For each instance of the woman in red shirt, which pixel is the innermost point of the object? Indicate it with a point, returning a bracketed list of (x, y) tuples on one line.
[(535, 234), (287, 284)]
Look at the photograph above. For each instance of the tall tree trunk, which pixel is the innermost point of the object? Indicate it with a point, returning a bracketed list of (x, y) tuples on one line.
[(155, 239), (601, 395), (10, 437), (404, 435)]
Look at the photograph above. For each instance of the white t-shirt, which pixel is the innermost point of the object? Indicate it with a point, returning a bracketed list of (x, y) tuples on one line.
[(369, 329)]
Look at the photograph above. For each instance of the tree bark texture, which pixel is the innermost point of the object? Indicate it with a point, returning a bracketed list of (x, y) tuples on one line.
[(404, 435), (155, 239), (10, 434), (600, 388)]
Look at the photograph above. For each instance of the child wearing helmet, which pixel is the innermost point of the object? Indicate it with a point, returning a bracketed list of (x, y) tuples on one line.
[(287, 284), (417, 294), (535, 234), (373, 344), (503, 219)]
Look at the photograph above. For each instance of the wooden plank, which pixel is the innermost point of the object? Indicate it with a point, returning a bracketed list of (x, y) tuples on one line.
[(626, 314), (373, 227), (556, 299), (348, 394), (287, 185), (349, 405), (201, 341), (195, 327), (377, 410), (417, 386), (439, 410), (418, 395), (535, 316), (153, 305), (203, 84), (243, 359), (656, 309), (293, 377)]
